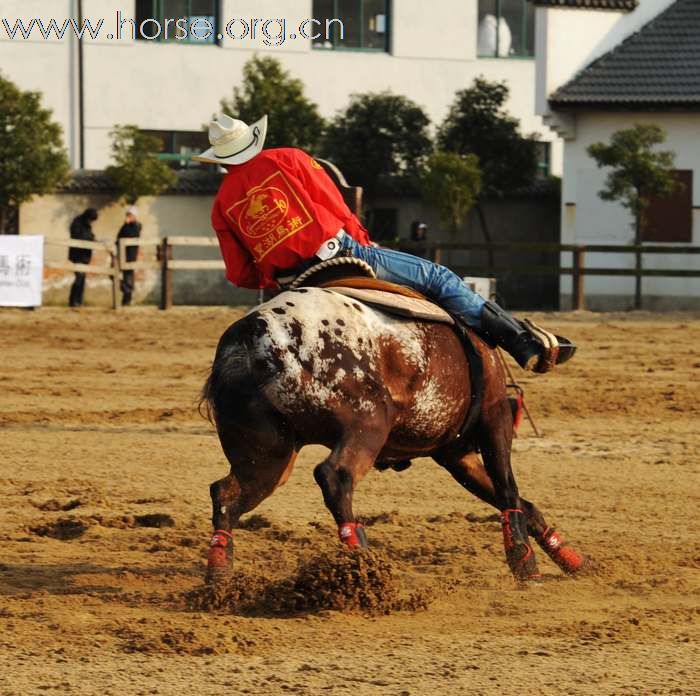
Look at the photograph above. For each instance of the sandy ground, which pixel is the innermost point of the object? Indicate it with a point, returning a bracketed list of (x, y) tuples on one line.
[(98, 431)]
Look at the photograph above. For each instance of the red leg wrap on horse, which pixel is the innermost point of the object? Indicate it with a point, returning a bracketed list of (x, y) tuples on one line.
[(518, 415), (352, 534), (519, 553), (220, 549), (562, 554)]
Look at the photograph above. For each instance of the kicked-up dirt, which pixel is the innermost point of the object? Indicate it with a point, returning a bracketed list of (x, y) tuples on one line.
[(104, 523)]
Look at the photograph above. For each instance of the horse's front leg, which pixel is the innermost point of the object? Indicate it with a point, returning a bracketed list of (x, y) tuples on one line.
[(338, 475), (495, 440), (469, 472)]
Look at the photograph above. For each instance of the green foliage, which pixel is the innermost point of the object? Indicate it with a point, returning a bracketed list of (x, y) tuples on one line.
[(478, 123), (451, 182), (379, 138), (268, 89), (638, 172), (137, 171), (33, 160)]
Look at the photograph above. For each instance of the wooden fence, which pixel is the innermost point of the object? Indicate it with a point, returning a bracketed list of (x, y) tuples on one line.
[(577, 269), (112, 270)]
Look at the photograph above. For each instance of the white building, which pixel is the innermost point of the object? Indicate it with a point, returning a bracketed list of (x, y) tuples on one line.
[(604, 65), (426, 51)]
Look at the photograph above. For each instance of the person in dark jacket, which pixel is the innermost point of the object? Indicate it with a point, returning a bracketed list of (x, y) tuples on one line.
[(129, 230), (419, 233), (81, 228)]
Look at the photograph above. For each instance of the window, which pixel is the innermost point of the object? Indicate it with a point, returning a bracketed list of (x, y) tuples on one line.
[(506, 29), (180, 146), (186, 21), (363, 25), (543, 152), (670, 219)]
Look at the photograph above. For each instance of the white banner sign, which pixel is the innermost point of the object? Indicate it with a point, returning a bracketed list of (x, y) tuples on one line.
[(21, 270)]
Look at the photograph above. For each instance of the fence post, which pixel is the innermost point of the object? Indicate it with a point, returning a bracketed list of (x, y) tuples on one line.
[(116, 276), (166, 283), (638, 276), (578, 299)]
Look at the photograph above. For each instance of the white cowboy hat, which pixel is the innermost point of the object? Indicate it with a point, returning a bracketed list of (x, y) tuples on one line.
[(233, 141)]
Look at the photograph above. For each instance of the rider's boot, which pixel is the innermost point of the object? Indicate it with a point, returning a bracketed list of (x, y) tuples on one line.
[(501, 329)]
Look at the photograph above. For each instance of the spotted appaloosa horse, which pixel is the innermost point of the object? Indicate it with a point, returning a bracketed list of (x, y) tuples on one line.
[(314, 367)]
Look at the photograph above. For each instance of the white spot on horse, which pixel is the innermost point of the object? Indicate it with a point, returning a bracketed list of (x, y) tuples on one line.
[(302, 338), (366, 405), (430, 408)]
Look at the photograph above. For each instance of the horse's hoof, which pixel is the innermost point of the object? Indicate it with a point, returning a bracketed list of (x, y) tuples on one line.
[(217, 575), (535, 580), (523, 564)]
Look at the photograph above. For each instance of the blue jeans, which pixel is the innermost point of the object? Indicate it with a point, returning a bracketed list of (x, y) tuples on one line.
[(436, 282)]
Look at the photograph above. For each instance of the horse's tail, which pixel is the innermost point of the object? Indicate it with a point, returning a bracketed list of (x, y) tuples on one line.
[(234, 376)]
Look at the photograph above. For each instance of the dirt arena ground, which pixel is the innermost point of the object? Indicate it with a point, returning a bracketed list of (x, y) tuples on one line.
[(104, 473)]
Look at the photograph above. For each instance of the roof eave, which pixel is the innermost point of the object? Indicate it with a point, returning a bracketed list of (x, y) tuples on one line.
[(601, 5), (602, 104)]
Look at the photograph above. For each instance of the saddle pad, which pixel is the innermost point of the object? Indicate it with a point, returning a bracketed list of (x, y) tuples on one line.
[(355, 281), (413, 307)]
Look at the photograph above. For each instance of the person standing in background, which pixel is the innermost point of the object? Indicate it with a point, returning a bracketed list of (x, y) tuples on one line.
[(419, 233), (80, 228), (131, 229)]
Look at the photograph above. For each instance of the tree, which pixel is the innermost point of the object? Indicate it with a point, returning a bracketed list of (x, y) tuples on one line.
[(478, 123), (638, 173), (451, 182), (379, 138), (137, 171), (269, 89), (33, 160)]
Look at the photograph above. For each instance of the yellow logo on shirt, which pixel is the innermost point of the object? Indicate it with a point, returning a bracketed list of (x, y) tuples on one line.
[(269, 214)]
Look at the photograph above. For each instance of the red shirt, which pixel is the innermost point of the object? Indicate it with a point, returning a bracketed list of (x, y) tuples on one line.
[(273, 212)]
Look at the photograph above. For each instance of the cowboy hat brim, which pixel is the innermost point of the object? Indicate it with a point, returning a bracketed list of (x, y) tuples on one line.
[(246, 153)]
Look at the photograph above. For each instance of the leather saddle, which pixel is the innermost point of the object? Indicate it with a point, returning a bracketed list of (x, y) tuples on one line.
[(354, 278)]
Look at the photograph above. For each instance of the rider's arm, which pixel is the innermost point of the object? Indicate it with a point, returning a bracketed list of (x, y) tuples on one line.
[(240, 267)]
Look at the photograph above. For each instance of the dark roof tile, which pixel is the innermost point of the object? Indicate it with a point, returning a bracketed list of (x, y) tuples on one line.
[(624, 5), (658, 65), (189, 182)]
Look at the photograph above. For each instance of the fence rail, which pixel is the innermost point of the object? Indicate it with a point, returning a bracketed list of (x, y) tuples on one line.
[(578, 269), (113, 270), (169, 264)]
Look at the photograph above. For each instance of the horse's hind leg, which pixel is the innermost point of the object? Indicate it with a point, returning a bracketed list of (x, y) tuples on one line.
[(468, 471), (261, 459), (338, 476)]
